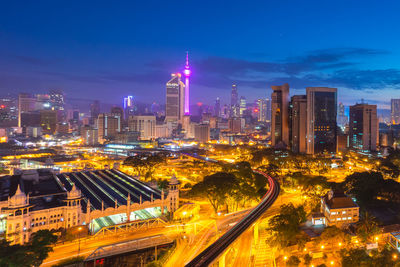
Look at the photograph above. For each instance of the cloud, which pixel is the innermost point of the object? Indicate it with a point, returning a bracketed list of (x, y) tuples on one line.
[(333, 67)]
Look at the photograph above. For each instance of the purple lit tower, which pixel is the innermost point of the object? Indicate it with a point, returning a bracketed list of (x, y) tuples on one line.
[(187, 73)]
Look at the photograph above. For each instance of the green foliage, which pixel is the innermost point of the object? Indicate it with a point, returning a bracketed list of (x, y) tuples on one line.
[(286, 225), (31, 254), (367, 227), (364, 186), (293, 261), (307, 259), (145, 165), (355, 257), (216, 188)]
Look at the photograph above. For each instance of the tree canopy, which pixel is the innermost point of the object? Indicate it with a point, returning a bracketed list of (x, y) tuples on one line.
[(30, 254)]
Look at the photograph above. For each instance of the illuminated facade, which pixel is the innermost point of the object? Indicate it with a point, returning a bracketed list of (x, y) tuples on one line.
[(36, 200), (186, 73), (235, 109), (339, 209), (175, 99), (144, 124)]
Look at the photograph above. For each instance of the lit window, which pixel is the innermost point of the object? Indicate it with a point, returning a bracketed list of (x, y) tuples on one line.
[(339, 219), (349, 218), (344, 212), (333, 212)]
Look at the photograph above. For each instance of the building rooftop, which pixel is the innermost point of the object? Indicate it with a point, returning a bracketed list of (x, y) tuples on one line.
[(104, 188), (338, 200)]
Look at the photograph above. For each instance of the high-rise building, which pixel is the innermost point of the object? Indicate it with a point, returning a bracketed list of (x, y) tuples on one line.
[(343, 120), (57, 99), (26, 103), (217, 107), (175, 99), (234, 102), (89, 135), (395, 111), (8, 112), (94, 112), (280, 115), (268, 110), (144, 124), (108, 126), (321, 120), (243, 105), (186, 73), (262, 106), (202, 133), (117, 111), (129, 107), (363, 128), (298, 123), (48, 121)]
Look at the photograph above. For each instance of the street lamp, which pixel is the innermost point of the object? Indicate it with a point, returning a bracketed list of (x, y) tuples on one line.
[(79, 239)]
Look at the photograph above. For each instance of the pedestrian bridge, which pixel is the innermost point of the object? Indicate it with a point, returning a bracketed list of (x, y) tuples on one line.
[(129, 246)]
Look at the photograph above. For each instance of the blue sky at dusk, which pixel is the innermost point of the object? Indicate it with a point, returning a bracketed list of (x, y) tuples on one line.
[(108, 49)]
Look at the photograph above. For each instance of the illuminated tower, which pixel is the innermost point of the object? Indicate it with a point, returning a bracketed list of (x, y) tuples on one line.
[(187, 73)]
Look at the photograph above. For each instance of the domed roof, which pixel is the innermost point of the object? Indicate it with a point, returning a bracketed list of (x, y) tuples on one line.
[(19, 199), (173, 180), (74, 193)]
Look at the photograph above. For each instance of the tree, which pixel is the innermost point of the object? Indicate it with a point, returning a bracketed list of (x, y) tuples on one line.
[(307, 259), (216, 188), (367, 228), (355, 257), (364, 186), (31, 254), (286, 225), (293, 261)]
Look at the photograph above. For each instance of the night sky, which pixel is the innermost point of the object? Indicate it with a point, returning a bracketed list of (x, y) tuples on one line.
[(108, 49)]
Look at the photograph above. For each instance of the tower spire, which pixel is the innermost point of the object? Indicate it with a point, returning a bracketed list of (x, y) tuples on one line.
[(187, 73), (187, 60)]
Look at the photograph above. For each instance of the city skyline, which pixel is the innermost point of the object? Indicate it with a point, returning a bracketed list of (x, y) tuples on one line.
[(76, 57)]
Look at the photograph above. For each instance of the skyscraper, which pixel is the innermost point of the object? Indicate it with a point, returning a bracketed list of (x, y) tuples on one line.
[(129, 107), (321, 120), (108, 126), (363, 130), (298, 123), (144, 124), (26, 103), (217, 107), (243, 105), (234, 102), (395, 111), (342, 118), (94, 112), (262, 106), (279, 115), (186, 73), (175, 102)]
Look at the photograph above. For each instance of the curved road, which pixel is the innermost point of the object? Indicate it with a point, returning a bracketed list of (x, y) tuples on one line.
[(211, 253)]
